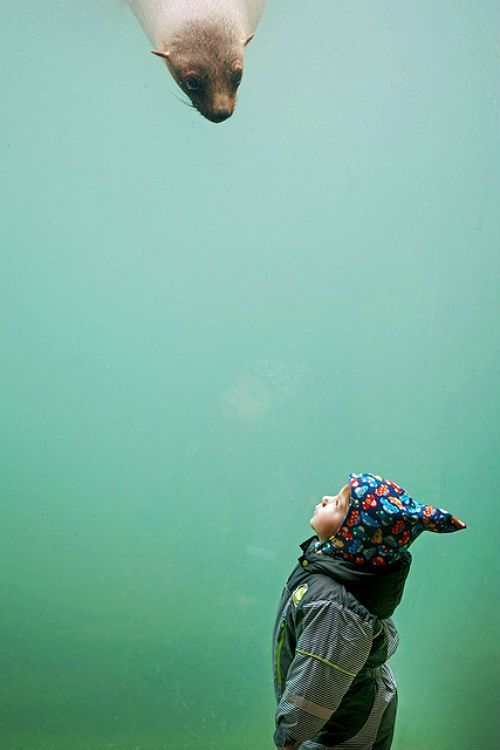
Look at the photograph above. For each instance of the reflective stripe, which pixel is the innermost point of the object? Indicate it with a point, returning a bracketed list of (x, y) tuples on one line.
[(311, 708), (278, 651), (325, 661)]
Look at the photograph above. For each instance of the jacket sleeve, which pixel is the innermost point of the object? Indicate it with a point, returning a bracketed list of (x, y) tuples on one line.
[(333, 646)]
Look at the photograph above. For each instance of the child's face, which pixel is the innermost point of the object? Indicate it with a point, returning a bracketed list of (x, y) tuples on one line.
[(330, 512)]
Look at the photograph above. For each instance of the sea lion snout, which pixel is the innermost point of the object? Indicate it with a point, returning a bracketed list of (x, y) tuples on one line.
[(222, 108), (219, 115), (216, 109)]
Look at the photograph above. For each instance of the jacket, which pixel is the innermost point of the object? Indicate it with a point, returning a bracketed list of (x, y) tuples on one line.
[(332, 638)]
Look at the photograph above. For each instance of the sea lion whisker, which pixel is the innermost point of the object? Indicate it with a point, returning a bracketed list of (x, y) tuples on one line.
[(187, 102)]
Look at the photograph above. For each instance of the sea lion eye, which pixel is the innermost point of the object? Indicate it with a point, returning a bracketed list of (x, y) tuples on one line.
[(193, 83), (237, 75)]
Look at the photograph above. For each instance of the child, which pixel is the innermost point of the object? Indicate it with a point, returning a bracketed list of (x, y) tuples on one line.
[(333, 633)]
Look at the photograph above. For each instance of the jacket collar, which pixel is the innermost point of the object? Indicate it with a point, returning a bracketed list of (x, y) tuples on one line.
[(380, 591)]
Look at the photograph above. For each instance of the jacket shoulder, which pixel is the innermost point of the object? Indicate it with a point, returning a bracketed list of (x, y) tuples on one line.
[(318, 587)]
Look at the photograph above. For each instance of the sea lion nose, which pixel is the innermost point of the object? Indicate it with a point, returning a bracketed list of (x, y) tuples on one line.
[(222, 113)]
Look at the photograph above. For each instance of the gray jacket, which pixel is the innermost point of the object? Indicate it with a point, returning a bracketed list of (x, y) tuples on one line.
[(331, 641)]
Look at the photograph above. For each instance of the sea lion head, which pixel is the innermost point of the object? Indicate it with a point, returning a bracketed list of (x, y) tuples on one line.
[(207, 64)]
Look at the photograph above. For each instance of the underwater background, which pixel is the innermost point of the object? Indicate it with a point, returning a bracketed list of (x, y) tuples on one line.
[(206, 327)]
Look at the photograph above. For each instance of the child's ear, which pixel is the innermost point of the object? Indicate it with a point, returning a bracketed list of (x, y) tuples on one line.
[(345, 493)]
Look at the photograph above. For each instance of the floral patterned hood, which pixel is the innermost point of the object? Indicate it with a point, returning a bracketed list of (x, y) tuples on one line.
[(382, 521)]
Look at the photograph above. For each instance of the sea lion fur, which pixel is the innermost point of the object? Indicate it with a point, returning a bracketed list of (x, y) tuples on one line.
[(202, 43)]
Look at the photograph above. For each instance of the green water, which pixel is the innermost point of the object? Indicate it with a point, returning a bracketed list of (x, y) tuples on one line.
[(205, 328)]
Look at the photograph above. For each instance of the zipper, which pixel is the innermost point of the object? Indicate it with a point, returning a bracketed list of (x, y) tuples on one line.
[(281, 641)]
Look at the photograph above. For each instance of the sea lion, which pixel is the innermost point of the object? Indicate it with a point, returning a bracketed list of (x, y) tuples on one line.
[(202, 43)]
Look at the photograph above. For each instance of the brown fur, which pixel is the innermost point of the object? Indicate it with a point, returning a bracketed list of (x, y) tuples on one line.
[(207, 63)]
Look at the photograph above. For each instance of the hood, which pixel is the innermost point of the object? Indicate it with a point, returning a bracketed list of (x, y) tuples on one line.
[(381, 522)]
